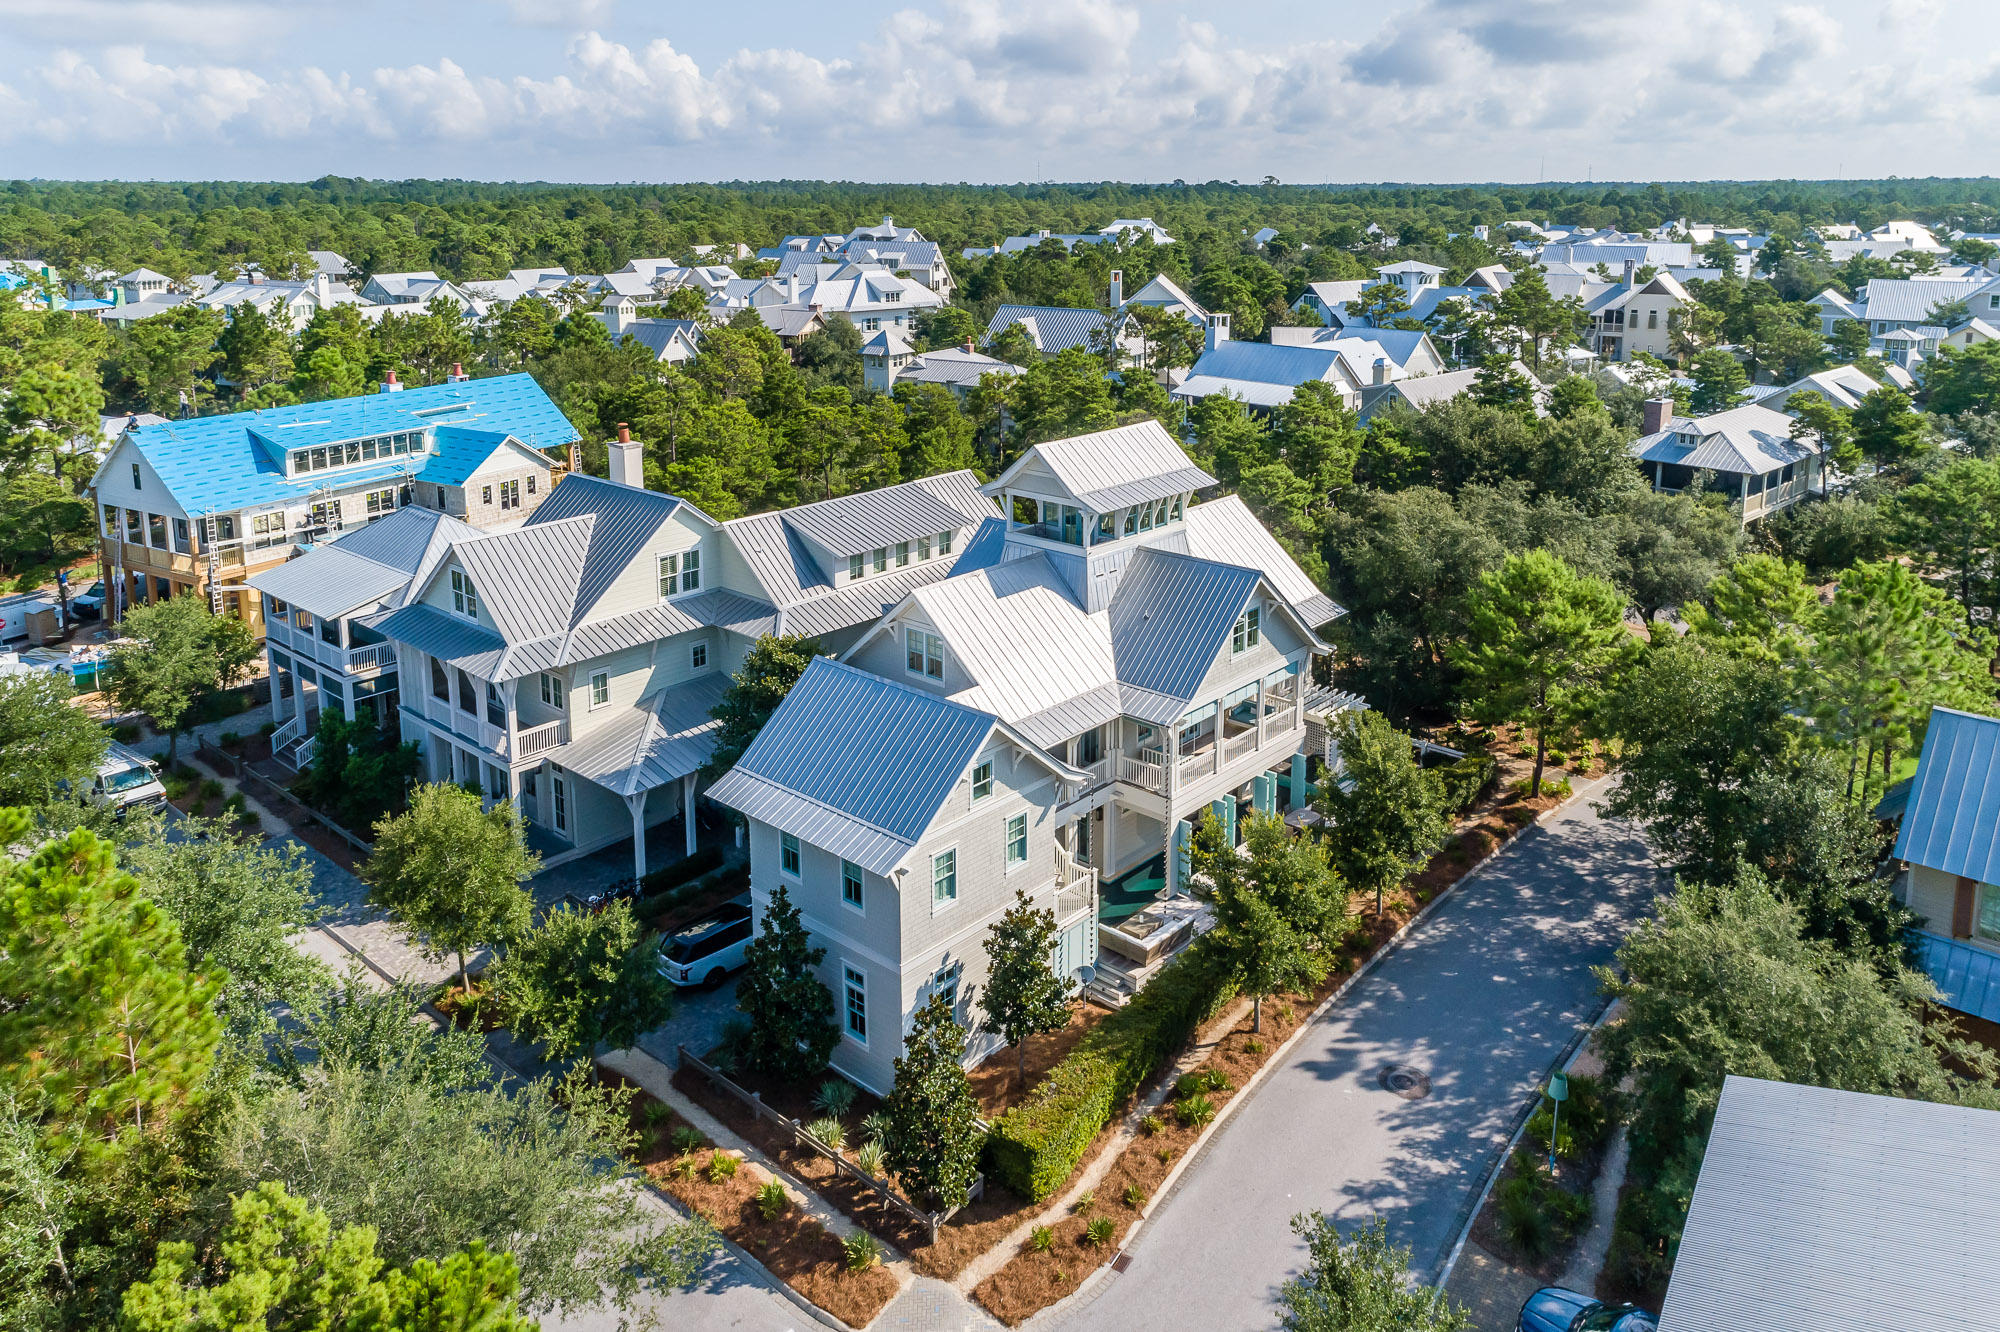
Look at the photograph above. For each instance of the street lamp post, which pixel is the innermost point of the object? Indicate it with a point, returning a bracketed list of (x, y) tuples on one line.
[(1558, 1093)]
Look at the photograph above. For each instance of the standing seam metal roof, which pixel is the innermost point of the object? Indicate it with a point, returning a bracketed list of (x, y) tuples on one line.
[(1953, 820), (330, 582), (1111, 469), (1169, 615), (856, 764)]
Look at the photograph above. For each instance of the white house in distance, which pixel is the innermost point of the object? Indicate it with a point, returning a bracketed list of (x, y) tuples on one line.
[(888, 359), (1748, 452), (1098, 670)]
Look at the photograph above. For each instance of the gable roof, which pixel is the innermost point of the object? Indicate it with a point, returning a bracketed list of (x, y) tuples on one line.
[(1953, 820), (669, 735), (330, 582), (1224, 530), (1747, 440), (1113, 469), (1052, 328), (859, 765), (1169, 616), (218, 464)]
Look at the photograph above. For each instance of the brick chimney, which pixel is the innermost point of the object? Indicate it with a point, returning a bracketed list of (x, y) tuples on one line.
[(970, 347), (1117, 288), (457, 375), (1658, 412), (391, 384), (627, 467)]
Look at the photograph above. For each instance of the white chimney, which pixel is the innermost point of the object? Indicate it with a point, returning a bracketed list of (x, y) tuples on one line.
[(1381, 370), (1117, 289), (322, 287), (1217, 332), (391, 384), (1631, 271), (627, 466)]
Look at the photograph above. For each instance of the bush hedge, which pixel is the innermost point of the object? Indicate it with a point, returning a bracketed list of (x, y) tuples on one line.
[(1468, 779), (1035, 1147)]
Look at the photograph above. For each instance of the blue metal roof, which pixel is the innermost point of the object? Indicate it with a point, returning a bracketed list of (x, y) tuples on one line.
[(217, 464), (1171, 615), (1967, 977), (1265, 363), (1953, 823), (855, 763)]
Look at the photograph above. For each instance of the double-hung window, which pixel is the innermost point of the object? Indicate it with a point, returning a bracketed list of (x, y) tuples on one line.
[(1247, 633), (923, 548), (464, 598), (850, 884), (944, 878), (857, 567), (680, 572), (982, 781), (881, 559), (945, 982), (552, 691), (510, 494), (855, 987), (600, 688), (788, 855), (902, 553), (944, 543), (923, 654), (1017, 840), (698, 656)]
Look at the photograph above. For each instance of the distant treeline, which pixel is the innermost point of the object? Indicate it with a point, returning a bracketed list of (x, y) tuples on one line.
[(472, 230)]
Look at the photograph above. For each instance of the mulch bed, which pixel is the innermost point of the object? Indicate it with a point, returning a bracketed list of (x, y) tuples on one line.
[(796, 1249), (996, 1083), (1576, 1177)]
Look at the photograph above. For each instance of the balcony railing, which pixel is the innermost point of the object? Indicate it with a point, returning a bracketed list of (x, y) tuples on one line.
[(1198, 765), (1283, 719), (1236, 746), (1076, 886), (368, 660), (1150, 774), (540, 739)]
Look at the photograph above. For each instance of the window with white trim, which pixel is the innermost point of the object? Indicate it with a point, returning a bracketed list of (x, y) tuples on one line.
[(851, 884), (380, 502), (902, 553), (680, 572), (788, 855), (881, 560), (854, 986), (982, 781), (698, 656), (945, 982), (1248, 631), (136, 483), (486, 494), (923, 548), (600, 688), (923, 654), (510, 494), (552, 691), (464, 597), (944, 878), (857, 566), (1017, 840), (944, 543)]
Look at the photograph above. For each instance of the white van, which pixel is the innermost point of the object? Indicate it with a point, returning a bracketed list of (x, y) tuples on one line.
[(127, 779)]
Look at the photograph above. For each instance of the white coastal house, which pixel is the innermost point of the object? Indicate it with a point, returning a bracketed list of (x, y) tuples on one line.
[(1102, 667)]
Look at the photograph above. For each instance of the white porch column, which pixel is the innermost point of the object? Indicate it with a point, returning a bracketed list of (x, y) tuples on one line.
[(687, 809), (277, 689), (637, 804), (1109, 859)]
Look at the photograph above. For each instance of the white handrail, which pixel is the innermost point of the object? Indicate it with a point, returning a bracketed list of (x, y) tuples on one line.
[(548, 735)]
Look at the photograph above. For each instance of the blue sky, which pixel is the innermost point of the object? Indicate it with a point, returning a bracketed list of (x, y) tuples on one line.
[(997, 90)]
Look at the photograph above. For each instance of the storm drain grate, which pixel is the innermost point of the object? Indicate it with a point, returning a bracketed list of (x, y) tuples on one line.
[(1406, 1081)]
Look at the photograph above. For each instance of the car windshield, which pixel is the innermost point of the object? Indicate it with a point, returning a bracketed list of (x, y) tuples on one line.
[(1603, 1318), (94, 590), (688, 943), (126, 779)]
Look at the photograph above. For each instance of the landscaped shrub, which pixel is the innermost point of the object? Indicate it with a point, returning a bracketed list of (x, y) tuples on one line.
[(1084, 1202), (1135, 1197), (1585, 1121), (1098, 1233), (862, 1251), (678, 872), (874, 1126), (1201, 1080), (772, 1200), (686, 1141), (1468, 779), (1041, 1239), (871, 1157), (829, 1131), (1537, 1216), (1194, 1110), (1036, 1145), (721, 1166), (835, 1097), (1152, 1124), (211, 789)]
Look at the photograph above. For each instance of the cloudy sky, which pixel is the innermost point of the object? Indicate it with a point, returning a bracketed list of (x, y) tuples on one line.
[(998, 90)]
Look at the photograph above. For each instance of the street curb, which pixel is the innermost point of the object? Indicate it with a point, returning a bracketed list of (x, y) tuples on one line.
[(1087, 1293)]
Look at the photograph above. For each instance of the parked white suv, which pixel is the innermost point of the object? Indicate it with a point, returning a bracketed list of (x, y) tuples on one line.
[(705, 952), (127, 779)]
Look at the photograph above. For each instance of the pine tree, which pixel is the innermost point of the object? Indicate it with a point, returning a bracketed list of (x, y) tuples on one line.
[(792, 1031), (1543, 641), (104, 1032), (933, 1137), (1023, 996), (452, 872)]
